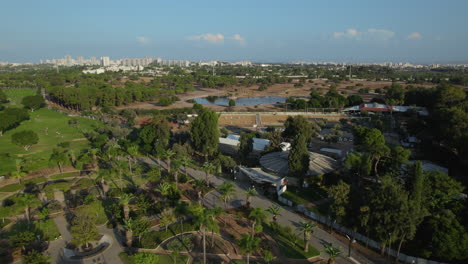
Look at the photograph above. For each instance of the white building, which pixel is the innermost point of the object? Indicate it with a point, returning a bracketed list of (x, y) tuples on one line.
[(105, 61)]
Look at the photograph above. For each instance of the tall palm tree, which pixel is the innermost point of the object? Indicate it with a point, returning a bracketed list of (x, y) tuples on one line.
[(185, 162), (181, 211), (227, 190), (167, 155), (124, 200), (94, 152), (257, 216), (199, 185), (167, 218), (176, 166), (215, 212), (249, 244), (203, 220), (129, 225), (307, 228), (248, 196), (72, 156), (28, 200), (333, 253), (274, 210), (132, 152), (208, 168), (59, 158)]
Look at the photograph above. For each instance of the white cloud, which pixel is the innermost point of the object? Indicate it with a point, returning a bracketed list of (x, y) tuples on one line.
[(143, 40), (239, 39), (372, 33), (213, 38), (383, 34), (415, 35)]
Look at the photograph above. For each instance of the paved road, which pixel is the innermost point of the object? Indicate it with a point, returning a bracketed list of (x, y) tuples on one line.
[(110, 255), (287, 217)]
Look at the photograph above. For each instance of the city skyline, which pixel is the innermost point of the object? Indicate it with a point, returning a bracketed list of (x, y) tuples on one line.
[(361, 31)]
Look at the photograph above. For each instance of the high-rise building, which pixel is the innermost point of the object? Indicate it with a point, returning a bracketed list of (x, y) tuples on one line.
[(105, 61)]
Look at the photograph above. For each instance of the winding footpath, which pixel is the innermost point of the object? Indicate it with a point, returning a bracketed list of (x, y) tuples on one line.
[(287, 217)]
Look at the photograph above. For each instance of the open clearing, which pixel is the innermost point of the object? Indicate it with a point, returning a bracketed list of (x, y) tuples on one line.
[(38, 155), (283, 89)]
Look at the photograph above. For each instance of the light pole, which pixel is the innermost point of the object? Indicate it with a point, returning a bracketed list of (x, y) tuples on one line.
[(351, 241)]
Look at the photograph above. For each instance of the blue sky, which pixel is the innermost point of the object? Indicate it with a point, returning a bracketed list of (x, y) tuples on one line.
[(422, 31)]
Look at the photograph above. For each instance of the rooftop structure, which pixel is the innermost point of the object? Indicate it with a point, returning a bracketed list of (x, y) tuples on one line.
[(375, 107), (277, 162)]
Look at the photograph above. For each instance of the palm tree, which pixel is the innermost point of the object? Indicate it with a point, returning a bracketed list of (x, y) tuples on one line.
[(167, 155), (28, 200), (203, 220), (129, 225), (307, 228), (248, 196), (249, 244), (94, 152), (164, 189), (167, 218), (208, 168), (215, 212), (257, 216), (59, 158), (132, 152), (18, 175), (333, 252), (180, 211), (176, 166), (227, 189), (274, 210), (199, 185), (185, 162), (72, 156), (124, 200)]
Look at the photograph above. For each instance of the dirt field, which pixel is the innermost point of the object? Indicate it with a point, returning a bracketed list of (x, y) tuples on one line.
[(286, 90)]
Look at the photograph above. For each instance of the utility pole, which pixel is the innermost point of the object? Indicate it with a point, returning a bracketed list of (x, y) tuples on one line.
[(350, 71)]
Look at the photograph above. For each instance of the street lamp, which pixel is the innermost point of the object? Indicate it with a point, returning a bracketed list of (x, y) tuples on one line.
[(351, 241)]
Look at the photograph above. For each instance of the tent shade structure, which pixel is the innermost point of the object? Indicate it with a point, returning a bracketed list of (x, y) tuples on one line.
[(277, 162)]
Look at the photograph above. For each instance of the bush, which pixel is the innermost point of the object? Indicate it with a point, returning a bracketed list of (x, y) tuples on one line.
[(154, 238), (183, 243), (262, 87)]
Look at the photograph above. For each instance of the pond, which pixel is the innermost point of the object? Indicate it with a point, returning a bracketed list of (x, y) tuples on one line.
[(256, 100)]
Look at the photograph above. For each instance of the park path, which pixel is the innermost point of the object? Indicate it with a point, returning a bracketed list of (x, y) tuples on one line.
[(109, 255), (287, 217)]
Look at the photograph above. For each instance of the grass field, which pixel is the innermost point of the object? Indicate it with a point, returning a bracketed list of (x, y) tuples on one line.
[(16, 95), (58, 130)]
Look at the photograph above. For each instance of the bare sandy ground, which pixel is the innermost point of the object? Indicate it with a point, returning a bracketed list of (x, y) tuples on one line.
[(285, 90)]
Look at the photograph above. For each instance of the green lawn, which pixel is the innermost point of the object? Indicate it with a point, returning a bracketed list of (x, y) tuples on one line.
[(162, 259), (38, 155), (291, 245), (304, 195), (48, 229), (17, 186), (16, 95)]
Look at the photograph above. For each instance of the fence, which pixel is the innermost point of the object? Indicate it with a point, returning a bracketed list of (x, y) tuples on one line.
[(372, 243)]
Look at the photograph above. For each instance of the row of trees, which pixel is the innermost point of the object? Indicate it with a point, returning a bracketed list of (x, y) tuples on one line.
[(399, 204)]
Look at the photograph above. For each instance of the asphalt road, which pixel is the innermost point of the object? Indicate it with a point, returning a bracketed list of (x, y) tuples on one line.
[(287, 217)]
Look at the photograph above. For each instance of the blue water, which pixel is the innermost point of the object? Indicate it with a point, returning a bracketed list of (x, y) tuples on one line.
[(224, 101)]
